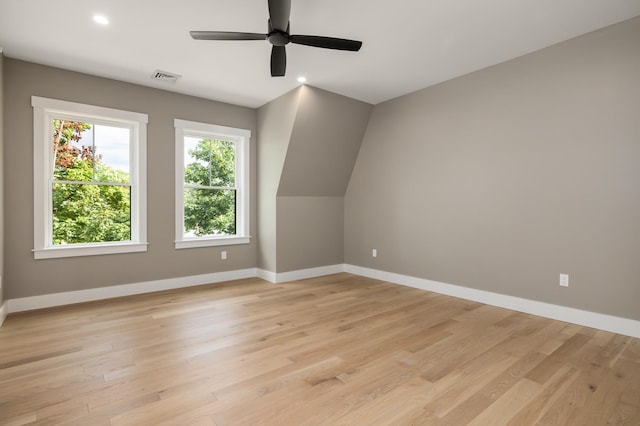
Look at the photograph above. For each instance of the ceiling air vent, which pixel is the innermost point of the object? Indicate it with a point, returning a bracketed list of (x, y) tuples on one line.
[(165, 76)]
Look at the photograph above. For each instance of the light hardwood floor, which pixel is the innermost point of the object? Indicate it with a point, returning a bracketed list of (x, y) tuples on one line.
[(337, 350)]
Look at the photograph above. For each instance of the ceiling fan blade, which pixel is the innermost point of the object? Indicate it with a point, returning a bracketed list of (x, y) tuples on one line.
[(278, 61), (226, 35), (279, 11), (326, 42)]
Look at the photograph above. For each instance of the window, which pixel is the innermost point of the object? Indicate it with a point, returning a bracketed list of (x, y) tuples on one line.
[(89, 179), (212, 185)]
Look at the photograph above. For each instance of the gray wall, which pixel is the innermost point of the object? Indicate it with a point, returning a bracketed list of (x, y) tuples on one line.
[(275, 124), (29, 277), (503, 179), (325, 140), (309, 141), (2, 291), (310, 232)]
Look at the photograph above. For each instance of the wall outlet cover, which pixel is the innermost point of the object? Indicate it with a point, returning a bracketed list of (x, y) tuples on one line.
[(564, 280)]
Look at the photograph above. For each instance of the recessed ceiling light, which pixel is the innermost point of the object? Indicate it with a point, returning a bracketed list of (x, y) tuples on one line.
[(101, 19), (302, 79)]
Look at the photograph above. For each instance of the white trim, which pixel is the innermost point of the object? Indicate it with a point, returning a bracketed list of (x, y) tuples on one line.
[(301, 274), (79, 296), (89, 250), (4, 311), (212, 241), (44, 111), (266, 275), (619, 325), (91, 111), (241, 139), (206, 129), (625, 326)]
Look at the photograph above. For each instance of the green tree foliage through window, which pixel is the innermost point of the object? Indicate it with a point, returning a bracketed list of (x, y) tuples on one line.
[(209, 187), (91, 200)]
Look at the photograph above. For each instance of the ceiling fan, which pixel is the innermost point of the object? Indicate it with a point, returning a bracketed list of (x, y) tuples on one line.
[(279, 37)]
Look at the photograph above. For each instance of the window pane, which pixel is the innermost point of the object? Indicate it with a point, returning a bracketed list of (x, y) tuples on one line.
[(85, 213), (73, 150), (209, 212), (209, 162), (85, 152), (223, 163), (197, 156), (111, 153)]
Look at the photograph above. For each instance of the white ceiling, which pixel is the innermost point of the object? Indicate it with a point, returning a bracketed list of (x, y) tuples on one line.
[(407, 44)]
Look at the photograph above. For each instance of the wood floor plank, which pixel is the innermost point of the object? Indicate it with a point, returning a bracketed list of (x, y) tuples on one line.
[(575, 397), (628, 373), (535, 409), (625, 414), (340, 349), (554, 361), (502, 410), (468, 381), (466, 411)]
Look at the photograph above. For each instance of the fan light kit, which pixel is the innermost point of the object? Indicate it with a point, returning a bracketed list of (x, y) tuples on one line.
[(279, 37)]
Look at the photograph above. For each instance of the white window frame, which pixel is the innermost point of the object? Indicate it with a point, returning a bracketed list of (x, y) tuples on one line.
[(241, 138), (44, 111)]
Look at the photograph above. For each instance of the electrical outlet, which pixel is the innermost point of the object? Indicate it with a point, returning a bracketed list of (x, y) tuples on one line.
[(374, 253), (223, 255), (564, 280)]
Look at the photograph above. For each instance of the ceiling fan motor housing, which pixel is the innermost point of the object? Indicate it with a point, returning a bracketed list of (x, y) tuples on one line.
[(278, 38)]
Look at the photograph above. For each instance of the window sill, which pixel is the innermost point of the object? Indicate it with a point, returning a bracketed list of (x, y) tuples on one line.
[(211, 242), (88, 250)]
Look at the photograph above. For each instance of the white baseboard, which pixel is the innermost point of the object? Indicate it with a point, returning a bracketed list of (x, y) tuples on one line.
[(4, 311), (69, 297), (266, 275), (79, 296), (610, 323), (619, 325), (301, 274)]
